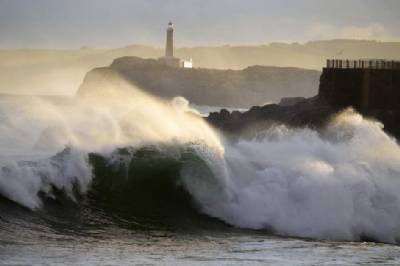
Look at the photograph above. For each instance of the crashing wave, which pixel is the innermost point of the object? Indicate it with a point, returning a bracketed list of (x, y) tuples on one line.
[(132, 152)]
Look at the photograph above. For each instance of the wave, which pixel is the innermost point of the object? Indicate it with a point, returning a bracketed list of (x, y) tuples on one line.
[(340, 184), (24, 182), (142, 157), (145, 182)]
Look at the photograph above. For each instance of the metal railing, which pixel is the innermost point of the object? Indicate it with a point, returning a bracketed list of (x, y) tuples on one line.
[(363, 64)]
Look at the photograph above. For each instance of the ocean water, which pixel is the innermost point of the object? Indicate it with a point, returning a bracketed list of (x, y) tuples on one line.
[(124, 178), (118, 245)]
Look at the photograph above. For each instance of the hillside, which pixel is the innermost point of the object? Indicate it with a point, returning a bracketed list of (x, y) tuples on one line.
[(231, 88)]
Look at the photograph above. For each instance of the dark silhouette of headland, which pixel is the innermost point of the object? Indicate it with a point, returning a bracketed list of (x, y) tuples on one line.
[(256, 85), (371, 87)]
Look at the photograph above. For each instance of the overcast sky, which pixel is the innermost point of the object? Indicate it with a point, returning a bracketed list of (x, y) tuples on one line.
[(115, 23)]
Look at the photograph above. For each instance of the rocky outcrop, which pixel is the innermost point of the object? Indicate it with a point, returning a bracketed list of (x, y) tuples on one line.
[(375, 93), (311, 112), (254, 85), (314, 113)]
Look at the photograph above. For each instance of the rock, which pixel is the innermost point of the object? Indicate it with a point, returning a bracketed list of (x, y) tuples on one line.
[(311, 112), (289, 101)]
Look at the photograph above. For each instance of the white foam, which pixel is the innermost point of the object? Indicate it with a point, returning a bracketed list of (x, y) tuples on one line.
[(116, 116), (341, 185)]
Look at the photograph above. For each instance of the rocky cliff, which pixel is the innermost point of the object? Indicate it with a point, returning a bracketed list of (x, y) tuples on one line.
[(251, 86), (313, 112), (373, 92)]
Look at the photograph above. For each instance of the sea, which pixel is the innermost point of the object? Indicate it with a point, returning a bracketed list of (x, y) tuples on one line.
[(125, 178)]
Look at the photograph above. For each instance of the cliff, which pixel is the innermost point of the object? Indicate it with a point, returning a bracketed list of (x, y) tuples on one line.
[(374, 92), (254, 85)]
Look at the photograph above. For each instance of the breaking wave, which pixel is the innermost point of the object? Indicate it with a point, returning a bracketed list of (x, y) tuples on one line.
[(341, 184), (124, 150)]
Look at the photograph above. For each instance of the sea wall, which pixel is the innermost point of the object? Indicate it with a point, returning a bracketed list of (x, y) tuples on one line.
[(362, 88)]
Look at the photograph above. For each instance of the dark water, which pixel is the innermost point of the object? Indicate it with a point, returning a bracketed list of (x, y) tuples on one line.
[(36, 239), (92, 237)]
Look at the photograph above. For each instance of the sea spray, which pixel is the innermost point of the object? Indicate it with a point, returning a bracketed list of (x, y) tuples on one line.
[(23, 181), (341, 184), (113, 117)]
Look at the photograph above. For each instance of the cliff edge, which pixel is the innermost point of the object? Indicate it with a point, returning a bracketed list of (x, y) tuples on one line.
[(251, 86)]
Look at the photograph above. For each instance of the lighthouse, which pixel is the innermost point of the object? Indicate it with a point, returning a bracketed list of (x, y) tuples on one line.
[(169, 48), (169, 59)]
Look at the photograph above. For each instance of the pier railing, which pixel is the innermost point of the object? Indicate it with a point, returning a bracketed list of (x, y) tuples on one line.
[(363, 64)]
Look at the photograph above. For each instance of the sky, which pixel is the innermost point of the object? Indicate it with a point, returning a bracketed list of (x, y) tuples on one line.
[(117, 23)]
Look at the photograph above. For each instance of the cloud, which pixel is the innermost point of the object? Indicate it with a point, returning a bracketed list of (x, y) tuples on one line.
[(372, 31)]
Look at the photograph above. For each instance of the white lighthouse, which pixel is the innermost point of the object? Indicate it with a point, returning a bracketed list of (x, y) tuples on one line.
[(169, 48), (169, 59)]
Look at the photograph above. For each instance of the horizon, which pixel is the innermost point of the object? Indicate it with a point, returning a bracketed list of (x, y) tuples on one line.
[(50, 24), (85, 47)]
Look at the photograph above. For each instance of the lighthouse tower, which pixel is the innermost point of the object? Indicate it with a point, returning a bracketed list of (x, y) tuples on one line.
[(169, 48), (169, 59)]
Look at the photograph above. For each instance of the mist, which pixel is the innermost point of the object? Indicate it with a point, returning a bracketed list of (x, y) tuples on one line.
[(61, 72)]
